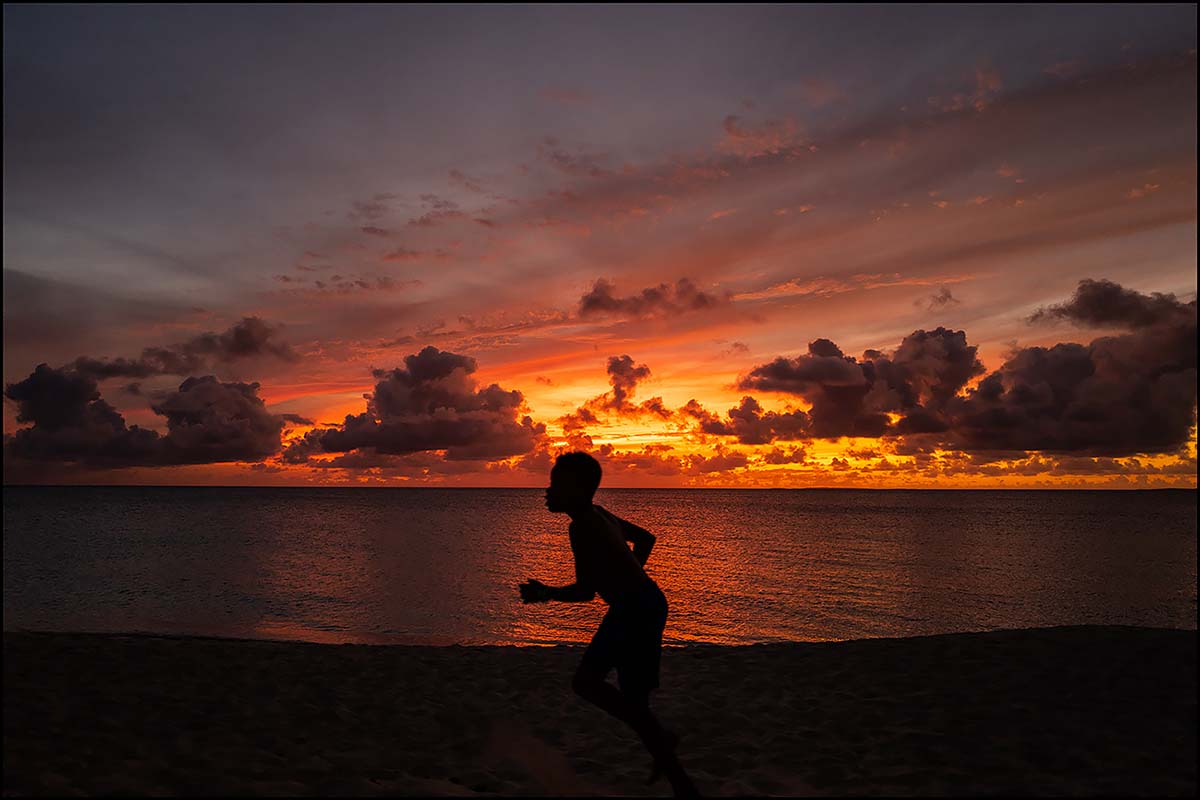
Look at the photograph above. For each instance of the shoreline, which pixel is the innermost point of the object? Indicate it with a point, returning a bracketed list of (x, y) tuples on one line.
[(1064, 710)]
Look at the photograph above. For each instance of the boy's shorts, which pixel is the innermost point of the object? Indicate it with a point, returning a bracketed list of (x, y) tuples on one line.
[(630, 639)]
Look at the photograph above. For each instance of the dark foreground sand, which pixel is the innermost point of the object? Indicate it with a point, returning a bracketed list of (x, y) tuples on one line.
[(1085, 710)]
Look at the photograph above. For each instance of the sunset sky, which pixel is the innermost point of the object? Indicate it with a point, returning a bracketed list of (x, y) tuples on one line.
[(868, 246)]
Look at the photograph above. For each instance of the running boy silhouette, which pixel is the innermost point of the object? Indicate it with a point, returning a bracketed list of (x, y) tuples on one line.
[(630, 636)]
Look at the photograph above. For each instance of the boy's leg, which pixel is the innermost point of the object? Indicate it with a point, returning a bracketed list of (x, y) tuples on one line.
[(635, 650), (599, 692), (598, 660), (609, 648), (633, 708)]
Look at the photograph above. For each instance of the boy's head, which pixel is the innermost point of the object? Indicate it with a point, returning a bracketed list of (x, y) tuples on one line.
[(573, 482)]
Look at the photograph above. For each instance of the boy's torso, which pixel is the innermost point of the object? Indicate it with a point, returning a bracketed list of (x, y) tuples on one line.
[(602, 558)]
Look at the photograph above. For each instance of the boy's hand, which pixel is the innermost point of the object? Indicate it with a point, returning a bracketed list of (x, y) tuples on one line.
[(534, 591)]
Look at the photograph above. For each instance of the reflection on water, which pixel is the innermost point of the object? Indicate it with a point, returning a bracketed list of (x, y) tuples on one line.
[(442, 566)]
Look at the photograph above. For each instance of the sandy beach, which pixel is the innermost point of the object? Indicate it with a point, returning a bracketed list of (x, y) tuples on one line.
[(1080, 710)]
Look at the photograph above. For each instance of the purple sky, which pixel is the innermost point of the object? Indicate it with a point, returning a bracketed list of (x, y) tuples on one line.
[(373, 180)]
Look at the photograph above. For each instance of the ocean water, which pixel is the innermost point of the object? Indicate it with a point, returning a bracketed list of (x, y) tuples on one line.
[(442, 566)]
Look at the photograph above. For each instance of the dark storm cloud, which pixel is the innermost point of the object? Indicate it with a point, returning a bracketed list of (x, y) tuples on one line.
[(655, 301), (72, 424), (823, 366), (1119, 395), (207, 422), (834, 384), (853, 398), (750, 424), (249, 338), (1101, 303), (623, 376), (431, 403), (928, 369), (579, 419), (655, 407)]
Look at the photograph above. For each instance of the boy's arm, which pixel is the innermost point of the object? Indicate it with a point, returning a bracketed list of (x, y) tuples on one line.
[(534, 591), (642, 539), (575, 593), (579, 591)]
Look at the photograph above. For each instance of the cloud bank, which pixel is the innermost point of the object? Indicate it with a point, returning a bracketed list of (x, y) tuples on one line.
[(1119, 395), (431, 403), (208, 421)]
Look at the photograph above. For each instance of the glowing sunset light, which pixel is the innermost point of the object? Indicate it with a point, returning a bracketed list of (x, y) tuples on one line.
[(759, 264)]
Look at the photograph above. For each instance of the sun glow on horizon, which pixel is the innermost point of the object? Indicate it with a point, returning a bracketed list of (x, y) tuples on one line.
[(786, 274)]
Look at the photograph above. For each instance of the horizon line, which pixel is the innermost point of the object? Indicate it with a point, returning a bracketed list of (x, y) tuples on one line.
[(608, 488)]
